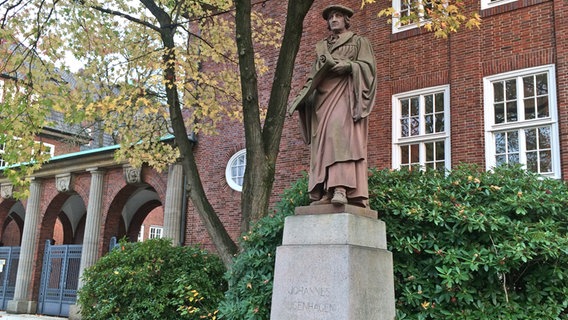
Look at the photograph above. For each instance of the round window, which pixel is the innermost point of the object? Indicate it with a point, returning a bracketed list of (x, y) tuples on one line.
[(235, 171)]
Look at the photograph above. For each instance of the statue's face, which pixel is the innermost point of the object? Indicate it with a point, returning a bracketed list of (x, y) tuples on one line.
[(336, 22)]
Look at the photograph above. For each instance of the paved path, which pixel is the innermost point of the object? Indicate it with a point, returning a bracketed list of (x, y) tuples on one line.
[(9, 316)]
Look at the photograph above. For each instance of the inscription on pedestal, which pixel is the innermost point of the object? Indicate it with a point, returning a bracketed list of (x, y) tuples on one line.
[(309, 299), (344, 277)]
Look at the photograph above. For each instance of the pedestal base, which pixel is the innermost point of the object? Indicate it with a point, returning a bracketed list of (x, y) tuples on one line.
[(333, 267)]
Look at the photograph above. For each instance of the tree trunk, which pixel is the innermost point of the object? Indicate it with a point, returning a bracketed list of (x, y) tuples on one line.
[(263, 143), (225, 246)]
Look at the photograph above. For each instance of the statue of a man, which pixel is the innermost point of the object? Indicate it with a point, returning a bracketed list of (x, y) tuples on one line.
[(334, 105)]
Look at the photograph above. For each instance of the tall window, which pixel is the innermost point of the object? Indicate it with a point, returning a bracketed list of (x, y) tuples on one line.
[(421, 132), (521, 120), (235, 171), (155, 232), (417, 10)]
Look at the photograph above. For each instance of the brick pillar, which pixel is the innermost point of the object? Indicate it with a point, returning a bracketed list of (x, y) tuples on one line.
[(173, 208), (22, 302)]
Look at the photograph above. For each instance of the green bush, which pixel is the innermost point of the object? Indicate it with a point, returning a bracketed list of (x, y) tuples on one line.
[(467, 244), (152, 280)]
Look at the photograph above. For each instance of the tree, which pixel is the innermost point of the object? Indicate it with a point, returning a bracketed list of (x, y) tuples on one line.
[(172, 68), (152, 68)]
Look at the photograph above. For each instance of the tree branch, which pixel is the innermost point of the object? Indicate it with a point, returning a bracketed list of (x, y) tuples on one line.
[(124, 15)]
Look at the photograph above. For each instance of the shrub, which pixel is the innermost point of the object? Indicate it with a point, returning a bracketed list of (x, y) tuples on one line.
[(152, 280), (474, 244), (467, 244)]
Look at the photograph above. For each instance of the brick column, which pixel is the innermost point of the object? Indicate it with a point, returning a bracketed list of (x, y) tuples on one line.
[(22, 302), (173, 208)]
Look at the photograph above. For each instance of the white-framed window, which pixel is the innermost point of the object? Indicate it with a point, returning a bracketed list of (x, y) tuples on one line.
[(408, 8), (2, 151), (235, 171), (421, 128), (521, 121), (155, 232), (141, 234), (46, 148), (486, 4)]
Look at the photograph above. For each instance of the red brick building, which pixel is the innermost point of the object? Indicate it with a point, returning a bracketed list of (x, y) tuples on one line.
[(491, 95)]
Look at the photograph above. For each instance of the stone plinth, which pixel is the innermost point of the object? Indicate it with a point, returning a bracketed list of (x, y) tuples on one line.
[(333, 267)]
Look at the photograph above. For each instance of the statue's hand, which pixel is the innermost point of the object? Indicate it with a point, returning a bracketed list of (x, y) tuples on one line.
[(342, 67)]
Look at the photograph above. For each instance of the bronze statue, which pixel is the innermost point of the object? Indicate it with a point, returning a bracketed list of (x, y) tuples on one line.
[(333, 106)]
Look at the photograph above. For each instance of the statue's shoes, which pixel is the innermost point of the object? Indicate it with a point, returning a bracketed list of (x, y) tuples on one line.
[(326, 199), (339, 196)]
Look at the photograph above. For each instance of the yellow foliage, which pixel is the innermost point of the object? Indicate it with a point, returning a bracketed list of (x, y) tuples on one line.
[(443, 18)]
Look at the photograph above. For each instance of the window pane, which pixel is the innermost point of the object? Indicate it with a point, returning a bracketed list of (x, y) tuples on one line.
[(440, 151), (429, 152), (498, 90), (428, 124), (500, 143), (501, 159), (511, 89), (528, 86), (404, 127), (439, 102), (414, 154), (429, 104), (545, 161), (513, 158), (532, 161), (529, 109), (415, 123), (499, 113), (544, 138), (404, 108), (414, 107), (542, 84), (530, 136), (542, 103), (512, 111), (440, 123), (404, 154), (512, 141)]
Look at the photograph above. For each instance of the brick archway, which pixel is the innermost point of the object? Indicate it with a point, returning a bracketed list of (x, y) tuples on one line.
[(139, 217), (12, 230)]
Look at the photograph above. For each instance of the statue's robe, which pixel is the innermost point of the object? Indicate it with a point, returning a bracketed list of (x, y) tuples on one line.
[(334, 111)]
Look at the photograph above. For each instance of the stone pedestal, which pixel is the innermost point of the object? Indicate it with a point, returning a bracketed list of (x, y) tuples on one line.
[(333, 267)]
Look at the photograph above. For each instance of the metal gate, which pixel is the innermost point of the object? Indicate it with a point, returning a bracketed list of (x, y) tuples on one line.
[(10, 256), (59, 279)]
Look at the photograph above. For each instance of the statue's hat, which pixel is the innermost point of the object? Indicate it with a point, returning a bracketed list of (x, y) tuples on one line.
[(336, 7)]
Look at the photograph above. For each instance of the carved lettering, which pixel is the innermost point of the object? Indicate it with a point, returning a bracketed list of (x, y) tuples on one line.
[(313, 307), (310, 291)]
